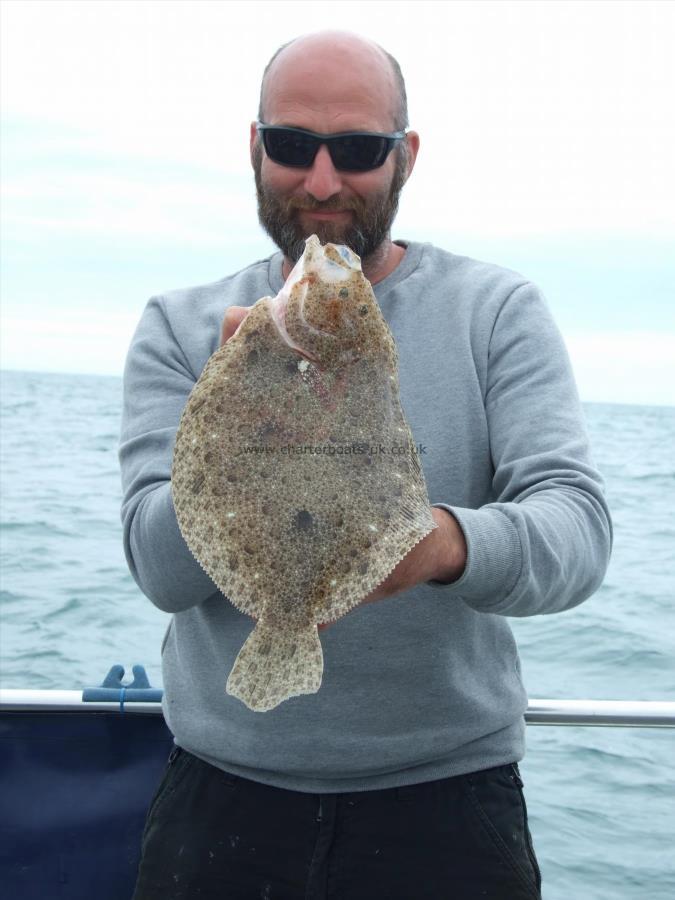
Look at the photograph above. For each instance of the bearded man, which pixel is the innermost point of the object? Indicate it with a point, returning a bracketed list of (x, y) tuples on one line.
[(399, 779)]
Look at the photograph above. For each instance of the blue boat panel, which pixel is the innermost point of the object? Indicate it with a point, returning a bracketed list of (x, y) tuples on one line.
[(74, 790)]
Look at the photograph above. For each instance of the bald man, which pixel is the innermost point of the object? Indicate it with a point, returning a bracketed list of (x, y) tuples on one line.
[(399, 779)]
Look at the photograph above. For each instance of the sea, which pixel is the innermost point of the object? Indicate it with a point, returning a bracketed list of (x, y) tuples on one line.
[(601, 801)]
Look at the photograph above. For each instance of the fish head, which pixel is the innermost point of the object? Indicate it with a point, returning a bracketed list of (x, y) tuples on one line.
[(329, 310)]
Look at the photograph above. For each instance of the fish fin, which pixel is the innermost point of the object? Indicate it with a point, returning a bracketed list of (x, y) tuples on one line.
[(272, 667)]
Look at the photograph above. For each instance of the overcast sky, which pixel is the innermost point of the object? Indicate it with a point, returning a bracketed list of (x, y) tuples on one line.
[(547, 145)]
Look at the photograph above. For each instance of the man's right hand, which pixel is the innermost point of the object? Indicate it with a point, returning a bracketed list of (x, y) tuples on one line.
[(234, 316)]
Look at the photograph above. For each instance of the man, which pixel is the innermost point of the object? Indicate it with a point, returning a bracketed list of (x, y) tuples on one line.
[(399, 778)]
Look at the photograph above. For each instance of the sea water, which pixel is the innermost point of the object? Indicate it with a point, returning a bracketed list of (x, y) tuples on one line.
[(601, 800)]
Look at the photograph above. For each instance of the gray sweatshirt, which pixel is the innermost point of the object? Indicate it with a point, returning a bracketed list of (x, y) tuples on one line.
[(426, 684)]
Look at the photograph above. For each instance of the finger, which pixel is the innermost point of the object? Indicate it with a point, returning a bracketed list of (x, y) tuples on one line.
[(234, 316)]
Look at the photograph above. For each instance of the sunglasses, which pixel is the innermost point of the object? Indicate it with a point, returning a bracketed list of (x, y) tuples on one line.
[(351, 151)]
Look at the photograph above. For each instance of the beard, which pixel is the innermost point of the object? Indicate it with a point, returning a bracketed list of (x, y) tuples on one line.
[(371, 219)]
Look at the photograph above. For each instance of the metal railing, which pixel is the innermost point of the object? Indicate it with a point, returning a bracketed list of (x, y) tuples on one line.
[(625, 713), (622, 713)]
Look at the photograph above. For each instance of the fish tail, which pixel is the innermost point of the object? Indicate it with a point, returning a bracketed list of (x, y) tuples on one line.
[(273, 666)]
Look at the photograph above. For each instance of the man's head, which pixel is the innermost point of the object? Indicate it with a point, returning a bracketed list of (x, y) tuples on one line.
[(332, 82)]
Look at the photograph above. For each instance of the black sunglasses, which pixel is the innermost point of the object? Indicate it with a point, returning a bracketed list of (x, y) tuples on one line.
[(351, 151)]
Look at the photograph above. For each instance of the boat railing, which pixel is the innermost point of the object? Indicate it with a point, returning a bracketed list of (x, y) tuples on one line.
[(622, 713)]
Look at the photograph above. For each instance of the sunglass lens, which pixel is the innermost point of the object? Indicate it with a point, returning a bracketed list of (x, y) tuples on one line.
[(359, 152), (289, 148)]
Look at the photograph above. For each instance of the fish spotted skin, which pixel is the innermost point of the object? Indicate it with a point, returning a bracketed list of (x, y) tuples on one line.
[(284, 484)]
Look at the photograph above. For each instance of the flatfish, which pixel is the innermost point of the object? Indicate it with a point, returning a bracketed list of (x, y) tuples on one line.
[(295, 480)]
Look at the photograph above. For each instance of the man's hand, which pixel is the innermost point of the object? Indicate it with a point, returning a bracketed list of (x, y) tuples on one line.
[(234, 316), (440, 556)]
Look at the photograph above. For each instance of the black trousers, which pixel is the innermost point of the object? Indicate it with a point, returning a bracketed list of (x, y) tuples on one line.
[(210, 835)]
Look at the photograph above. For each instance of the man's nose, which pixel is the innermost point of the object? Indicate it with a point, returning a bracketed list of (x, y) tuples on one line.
[(323, 180)]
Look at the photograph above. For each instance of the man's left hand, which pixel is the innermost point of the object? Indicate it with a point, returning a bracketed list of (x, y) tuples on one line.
[(440, 556)]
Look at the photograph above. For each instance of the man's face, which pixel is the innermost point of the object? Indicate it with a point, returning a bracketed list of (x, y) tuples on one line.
[(289, 211), (327, 85)]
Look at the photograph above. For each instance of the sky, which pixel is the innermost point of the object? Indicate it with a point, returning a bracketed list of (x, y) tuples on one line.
[(547, 140)]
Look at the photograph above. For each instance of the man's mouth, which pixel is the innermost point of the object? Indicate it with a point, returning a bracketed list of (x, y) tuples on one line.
[(327, 215)]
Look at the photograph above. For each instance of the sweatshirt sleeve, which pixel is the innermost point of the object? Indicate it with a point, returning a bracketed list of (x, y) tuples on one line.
[(157, 384), (543, 545)]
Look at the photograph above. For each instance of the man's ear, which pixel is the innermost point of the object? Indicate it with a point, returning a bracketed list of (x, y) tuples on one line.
[(253, 139), (413, 142)]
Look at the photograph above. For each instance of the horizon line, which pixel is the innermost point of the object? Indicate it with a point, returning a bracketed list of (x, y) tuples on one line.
[(120, 376)]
